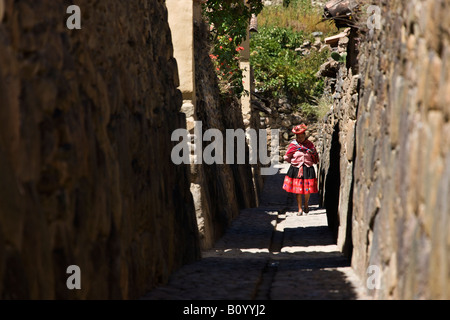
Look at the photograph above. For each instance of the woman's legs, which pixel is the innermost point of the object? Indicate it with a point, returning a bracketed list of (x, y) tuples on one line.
[(299, 202), (307, 202)]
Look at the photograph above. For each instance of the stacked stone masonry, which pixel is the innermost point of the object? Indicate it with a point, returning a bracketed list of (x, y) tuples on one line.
[(389, 132), (219, 190), (86, 178)]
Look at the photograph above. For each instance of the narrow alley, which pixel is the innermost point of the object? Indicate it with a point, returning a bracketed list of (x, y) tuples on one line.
[(269, 253), (133, 135)]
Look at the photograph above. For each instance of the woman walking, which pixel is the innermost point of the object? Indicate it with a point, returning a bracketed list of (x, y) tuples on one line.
[(301, 176)]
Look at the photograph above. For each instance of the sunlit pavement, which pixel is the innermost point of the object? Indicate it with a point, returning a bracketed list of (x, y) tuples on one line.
[(269, 253)]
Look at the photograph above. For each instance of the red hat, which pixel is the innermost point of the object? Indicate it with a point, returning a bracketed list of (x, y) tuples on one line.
[(301, 128)]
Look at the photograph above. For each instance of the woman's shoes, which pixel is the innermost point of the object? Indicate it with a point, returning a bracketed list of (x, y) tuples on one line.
[(303, 212)]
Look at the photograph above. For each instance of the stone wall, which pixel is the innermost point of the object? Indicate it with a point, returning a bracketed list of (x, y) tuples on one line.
[(86, 178), (220, 190), (336, 142), (400, 151)]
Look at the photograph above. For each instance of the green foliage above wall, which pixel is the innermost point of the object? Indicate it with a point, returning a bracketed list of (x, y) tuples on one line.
[(280, 71)]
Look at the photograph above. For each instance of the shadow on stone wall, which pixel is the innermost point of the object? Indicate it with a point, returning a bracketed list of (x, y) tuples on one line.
[(220, 190), (332, 183), (394, 120), (86, 176)]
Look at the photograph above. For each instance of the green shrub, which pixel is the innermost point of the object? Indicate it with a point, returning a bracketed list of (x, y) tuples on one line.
[(280, 71)]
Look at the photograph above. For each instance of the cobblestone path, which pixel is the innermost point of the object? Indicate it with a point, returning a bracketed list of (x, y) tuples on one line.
[(269, 253)]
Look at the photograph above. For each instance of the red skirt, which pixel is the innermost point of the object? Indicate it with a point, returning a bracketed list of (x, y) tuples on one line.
[(304, 185)]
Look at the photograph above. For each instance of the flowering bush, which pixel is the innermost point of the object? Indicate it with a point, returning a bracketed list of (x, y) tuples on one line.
[(229, 20)]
